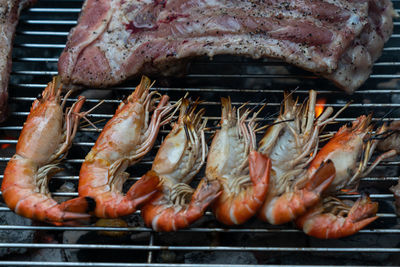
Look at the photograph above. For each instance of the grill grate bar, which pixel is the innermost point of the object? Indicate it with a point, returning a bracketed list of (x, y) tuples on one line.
[(35, 59), (189, 230), (234, 90), (216, 103), (225, 76), (367, 179), (165, 131), (200, 248), (35, 72), (74, 143), (31, 45), (211, 118), (39, 59), (105, 264), (381, 215), (50, 22), (145, 162), (353, 196), (208, 213), (150, 253), (45, 33), (55, 10)]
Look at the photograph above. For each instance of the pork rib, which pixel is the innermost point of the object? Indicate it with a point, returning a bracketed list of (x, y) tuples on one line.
[(9, 15), (117, 39)]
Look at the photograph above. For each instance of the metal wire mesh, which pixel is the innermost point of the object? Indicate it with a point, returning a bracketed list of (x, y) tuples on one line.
[(41, 36)]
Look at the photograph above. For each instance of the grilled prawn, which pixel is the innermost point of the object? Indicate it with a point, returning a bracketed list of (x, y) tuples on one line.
[(44, 141), (178, 160), (350, 150), (125, 139), (291, 142), (239, 168), (332, 218)]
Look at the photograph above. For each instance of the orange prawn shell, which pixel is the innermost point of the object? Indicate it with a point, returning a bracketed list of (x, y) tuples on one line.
[(128, 120), (11, 188), (346, 140), (49, 116), (92, 175)]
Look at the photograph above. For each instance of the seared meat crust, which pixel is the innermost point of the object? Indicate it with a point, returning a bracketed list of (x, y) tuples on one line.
[(117, 39)]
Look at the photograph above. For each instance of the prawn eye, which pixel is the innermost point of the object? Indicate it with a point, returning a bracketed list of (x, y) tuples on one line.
[(349, 124)]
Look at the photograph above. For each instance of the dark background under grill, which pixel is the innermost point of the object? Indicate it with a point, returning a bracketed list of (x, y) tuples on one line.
[(41, 36)]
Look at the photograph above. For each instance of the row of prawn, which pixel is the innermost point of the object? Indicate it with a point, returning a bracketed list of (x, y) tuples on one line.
[(284, 178)]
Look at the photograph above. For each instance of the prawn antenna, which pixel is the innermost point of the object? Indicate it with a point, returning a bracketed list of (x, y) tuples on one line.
[(272, 124), (289, 94), (380, 121)]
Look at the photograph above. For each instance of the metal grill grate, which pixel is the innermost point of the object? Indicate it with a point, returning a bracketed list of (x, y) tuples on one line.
[(40, 38)]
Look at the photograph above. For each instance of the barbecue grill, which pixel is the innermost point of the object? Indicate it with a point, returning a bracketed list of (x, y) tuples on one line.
[(41, 36)]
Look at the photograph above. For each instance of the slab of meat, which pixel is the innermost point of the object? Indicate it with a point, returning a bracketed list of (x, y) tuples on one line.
[(117, 39), (9, 15)]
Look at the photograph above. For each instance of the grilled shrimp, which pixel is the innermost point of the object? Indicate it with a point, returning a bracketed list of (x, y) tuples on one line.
[(333, 218), (239, 168), (178, 160), (125, 139), (350, 150), (44, 141), (291, 142)]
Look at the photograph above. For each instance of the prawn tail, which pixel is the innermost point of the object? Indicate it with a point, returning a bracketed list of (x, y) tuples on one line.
[(326, 223), (363, 209), (259, 166), (291, 205), (322, 178), (78, 205), (207, 191), (144, 189)]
